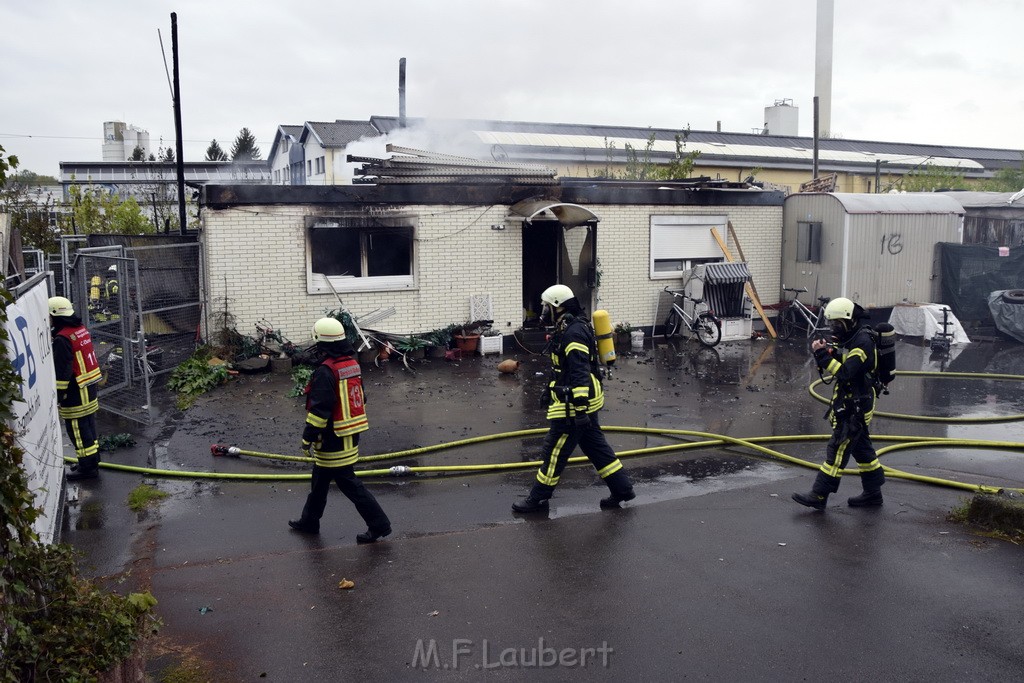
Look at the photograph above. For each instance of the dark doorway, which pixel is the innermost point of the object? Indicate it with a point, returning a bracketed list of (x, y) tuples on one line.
[(553, 254), (542, 244)]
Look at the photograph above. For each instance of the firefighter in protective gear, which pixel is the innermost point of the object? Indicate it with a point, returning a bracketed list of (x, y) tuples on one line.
[(851, 361), (335, 417), (575, 396), (111, 290), (77, 372)]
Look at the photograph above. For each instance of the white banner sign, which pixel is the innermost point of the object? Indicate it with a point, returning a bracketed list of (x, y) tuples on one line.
[(36, 423)]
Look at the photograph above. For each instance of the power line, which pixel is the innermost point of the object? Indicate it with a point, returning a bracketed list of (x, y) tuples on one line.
[(100, 139)]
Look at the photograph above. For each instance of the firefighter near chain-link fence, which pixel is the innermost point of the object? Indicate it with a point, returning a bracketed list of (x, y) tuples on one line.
[(143, 306)]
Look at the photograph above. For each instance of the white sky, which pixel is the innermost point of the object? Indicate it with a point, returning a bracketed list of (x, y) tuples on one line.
[(935, 71)]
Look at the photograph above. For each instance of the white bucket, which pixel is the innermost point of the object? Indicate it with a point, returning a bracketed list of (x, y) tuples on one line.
[(636, 339)]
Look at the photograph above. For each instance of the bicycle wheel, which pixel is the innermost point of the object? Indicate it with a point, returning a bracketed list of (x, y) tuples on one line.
[(672, 324), (786, 323), (708, 329)]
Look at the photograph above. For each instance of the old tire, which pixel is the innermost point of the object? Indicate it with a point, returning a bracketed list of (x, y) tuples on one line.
[(1014, 296)]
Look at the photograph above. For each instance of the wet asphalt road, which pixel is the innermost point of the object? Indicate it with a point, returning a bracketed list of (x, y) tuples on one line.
[(712, 572)]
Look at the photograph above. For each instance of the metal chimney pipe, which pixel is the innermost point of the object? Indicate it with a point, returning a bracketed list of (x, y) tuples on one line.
[(401, 92), (814, 153)]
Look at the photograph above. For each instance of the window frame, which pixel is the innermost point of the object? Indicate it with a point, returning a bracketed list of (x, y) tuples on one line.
[(678, 238), (367, 226), (808, 241)]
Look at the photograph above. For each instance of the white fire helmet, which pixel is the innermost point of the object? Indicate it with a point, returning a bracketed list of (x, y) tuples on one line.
[(60, 306), (327, 330), (556, 295), (839, 309), (112, 269)]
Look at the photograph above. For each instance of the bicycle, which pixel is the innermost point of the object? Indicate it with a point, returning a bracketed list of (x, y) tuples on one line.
[(705, 325), (797, 315)]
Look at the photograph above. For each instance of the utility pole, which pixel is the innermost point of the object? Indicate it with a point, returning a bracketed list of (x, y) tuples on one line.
[(182, 224)]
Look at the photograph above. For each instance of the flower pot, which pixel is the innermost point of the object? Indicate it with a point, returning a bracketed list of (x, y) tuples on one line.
[(466, 343), (622, 342), (491, 344), (417, 354), (368, 355), (436, 351)]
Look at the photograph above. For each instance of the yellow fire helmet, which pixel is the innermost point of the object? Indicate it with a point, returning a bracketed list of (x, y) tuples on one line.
[(328, 330), (60, 306)]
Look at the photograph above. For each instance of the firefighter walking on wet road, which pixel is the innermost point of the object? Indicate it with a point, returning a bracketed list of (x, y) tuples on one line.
[(335, 417), (852, 363), (576, 396)]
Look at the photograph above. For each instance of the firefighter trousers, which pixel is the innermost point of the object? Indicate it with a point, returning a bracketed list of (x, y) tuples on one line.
[(561, 440), (850, 438), (345, 477), (82, 431)]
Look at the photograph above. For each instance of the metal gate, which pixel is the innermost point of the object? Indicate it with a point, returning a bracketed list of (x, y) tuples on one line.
[(142, 306)]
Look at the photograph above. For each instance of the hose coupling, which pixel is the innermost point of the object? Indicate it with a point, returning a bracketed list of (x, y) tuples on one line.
[(400, 471), (220, 449)]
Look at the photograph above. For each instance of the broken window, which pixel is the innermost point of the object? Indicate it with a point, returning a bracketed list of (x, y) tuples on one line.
[(361, 254)]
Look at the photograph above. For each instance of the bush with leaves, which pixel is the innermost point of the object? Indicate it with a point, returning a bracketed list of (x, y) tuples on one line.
[(54, 626), (196, 376)]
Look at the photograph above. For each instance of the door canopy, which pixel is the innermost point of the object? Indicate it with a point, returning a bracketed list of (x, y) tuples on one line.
[(568, 215)]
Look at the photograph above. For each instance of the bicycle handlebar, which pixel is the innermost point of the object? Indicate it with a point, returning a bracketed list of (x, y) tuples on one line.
[(801, 290)]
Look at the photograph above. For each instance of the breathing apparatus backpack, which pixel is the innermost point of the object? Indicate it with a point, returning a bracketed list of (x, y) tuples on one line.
[(885, 346)]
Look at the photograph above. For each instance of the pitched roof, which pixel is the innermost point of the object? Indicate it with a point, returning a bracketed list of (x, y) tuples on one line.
[(523, 140), (337, 133)]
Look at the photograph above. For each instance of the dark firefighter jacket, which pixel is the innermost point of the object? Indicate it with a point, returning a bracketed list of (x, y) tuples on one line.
[(852, 365), (575, 385)]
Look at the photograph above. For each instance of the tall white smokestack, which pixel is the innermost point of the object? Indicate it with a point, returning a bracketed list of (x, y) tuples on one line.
[(823, 65)]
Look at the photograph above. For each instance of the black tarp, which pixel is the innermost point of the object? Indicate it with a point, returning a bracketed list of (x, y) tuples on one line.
[(970, 272)]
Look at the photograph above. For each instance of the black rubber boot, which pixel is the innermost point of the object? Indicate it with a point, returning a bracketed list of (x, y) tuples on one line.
[(530, 504), (612, 501), (372, 536), (812, 500), (867, 499), (303, 527), (88, 468)]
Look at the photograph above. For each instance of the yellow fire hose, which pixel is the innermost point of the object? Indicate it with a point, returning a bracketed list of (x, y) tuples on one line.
[(707, 440)]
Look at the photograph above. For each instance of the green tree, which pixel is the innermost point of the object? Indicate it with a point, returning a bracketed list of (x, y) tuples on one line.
[(637, 167), (138, 154), (167, 154), (32, 209), (30, 179), (215, 153), (245, 148), (94, 210), (931, 178), (10, 163), (682, 163), (1006, 179)]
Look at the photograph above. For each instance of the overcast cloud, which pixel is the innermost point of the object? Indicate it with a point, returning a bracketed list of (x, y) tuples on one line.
[(937, 72)]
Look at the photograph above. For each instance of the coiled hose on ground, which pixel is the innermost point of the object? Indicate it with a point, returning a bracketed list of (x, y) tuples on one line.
[(701, 440)]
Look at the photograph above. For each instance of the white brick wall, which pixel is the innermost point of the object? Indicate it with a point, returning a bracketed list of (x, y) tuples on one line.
[(256, 257)]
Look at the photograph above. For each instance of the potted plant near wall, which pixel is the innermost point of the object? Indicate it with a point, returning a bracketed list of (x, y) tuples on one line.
[(439, 340), (413, 347), (622, 340), (491, 341), (467, 337)]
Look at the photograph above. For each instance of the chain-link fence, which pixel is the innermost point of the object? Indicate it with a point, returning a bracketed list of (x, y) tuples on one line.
[(142, 305)]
